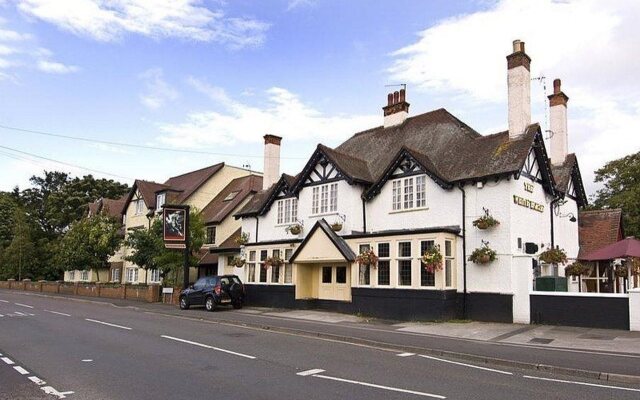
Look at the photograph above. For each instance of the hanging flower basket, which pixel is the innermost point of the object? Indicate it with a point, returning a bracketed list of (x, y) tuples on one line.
[(273, 262), (336, 226), (432, 259), (242, 239), (294, 229), (367, 258), (576, 269), (553, 256), (621, 272), (237, 262), (486, 221), (483, 255)]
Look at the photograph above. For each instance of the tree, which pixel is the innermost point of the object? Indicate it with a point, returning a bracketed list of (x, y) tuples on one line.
[(621, 179), (8, 206), (89, 244), (19, 259), (149, 251)]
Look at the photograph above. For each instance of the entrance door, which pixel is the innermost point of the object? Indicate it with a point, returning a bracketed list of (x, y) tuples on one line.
[(335, 283)]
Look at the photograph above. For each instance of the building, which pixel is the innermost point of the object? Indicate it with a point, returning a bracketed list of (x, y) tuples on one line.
[(402, 188)]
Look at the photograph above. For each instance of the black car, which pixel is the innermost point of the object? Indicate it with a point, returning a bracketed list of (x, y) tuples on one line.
[(212, 291)]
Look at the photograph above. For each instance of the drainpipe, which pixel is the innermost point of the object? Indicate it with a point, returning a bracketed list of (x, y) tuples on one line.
[(257, 229), (364, 217), (464, 252)]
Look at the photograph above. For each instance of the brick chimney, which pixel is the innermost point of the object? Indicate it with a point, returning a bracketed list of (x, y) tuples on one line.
[(558, 124), (396, 110), (271, 160), (519, 90)]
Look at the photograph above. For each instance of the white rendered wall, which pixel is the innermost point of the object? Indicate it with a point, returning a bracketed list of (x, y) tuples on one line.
[(559, 140), (519, 99), (443, 208)]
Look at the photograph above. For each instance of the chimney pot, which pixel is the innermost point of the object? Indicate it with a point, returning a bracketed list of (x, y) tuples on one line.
[(390, 99), (402, 95), (556, 86), (396, 97), (518, 46), (397, 109)]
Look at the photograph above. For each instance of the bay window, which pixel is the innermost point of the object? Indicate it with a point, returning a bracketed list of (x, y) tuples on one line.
[(404, 263)]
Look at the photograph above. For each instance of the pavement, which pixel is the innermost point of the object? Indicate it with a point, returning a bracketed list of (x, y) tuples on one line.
[(101, 349)]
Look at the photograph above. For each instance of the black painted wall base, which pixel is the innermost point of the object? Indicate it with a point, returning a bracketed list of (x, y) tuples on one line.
[(279, 296), (488, 307), (590, 312)]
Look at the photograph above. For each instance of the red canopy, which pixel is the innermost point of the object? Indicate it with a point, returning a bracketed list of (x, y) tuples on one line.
[(629, 247)]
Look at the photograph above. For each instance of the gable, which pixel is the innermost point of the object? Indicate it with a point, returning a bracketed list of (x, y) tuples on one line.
[(531, 168), (323, 172), (322, 244)]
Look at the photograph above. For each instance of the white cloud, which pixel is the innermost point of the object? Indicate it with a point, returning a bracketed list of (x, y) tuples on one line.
[(158, 91), (283, 114), (53, 67), (590, 45), (110, 20), (293, 4)]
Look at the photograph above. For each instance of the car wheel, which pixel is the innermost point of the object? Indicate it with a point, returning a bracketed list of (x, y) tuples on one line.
[(209, 304), (184, 303), (237, 304)]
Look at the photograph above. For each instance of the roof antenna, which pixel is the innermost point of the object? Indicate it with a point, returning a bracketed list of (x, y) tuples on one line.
[(246, 166), (404, 85), (543, 81)]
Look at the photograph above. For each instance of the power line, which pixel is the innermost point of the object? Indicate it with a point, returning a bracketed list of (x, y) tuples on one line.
[(137, 146), (62, 162)]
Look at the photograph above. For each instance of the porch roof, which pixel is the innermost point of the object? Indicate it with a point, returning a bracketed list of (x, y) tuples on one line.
[(339, 243)]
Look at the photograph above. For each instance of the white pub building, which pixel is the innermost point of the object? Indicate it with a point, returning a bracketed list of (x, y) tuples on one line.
[(407, 187)]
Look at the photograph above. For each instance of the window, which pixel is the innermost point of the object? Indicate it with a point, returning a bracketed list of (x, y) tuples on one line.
[(326, 274), (155, 275), (288, 268), (409, 193), (160, 199), (231, 196), (448, 263), (325, 199), (287, 211), (139, 206), (426, 278), (404, 265), (72, 275), (251, 267), (211, 235), (384, 270), (365, 272), (115, 275), (132, 274), (341, 274), (84, 275), (275, 271), (263, 270)]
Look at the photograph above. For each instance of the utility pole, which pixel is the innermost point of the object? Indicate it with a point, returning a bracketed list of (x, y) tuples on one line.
[(186, 250)]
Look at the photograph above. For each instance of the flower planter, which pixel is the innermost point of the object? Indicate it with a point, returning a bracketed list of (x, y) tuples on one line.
[(336, 227), (483, 255), (482, 225), (294, 229), (553, 256), (486, 221), (367, 258)]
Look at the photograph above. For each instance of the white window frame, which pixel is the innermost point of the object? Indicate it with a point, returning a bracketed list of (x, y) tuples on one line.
[(132, 275), (72, 275), (84, 275), (139, 206), (409, 193), (409, 258), (287, 211), (449, 263), (324, 199), (154, 275), (161, 198), (115, 275)]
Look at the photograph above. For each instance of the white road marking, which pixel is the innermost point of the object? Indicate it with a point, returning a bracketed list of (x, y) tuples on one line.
[(466, 365), (23, 305), (310, 372), (4, 301), (107, 323), (59, 313), (373, 385), (7, 360), (87, 360), (52, 391), (37, 380), (20, 313), (21, 370), (66, 393), (406, 354), (206, 346), (582, 383), (1, 315)]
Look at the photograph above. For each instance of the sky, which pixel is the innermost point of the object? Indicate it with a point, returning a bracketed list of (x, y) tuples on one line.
[(214, 76)]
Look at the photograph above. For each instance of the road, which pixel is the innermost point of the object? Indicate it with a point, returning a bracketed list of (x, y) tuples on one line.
[(85, 350)]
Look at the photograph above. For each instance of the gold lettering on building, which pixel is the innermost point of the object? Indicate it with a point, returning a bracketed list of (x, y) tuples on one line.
[(528, 187), (521, 201)]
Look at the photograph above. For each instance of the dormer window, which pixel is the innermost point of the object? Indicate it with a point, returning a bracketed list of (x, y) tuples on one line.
[(409, 193), (160, 200), (231, 196), (211, 235)]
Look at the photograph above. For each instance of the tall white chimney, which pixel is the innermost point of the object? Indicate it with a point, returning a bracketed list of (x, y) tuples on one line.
[(271, 160), (558, 124), (519, 90), (397, 109)]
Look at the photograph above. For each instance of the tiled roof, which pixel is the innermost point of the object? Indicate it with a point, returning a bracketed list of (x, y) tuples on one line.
[(112, 207), (218, 209), (337, 241), (256, 203), (148, 191), (562, 173), (229, 244), (598, 228), (188, 183)]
